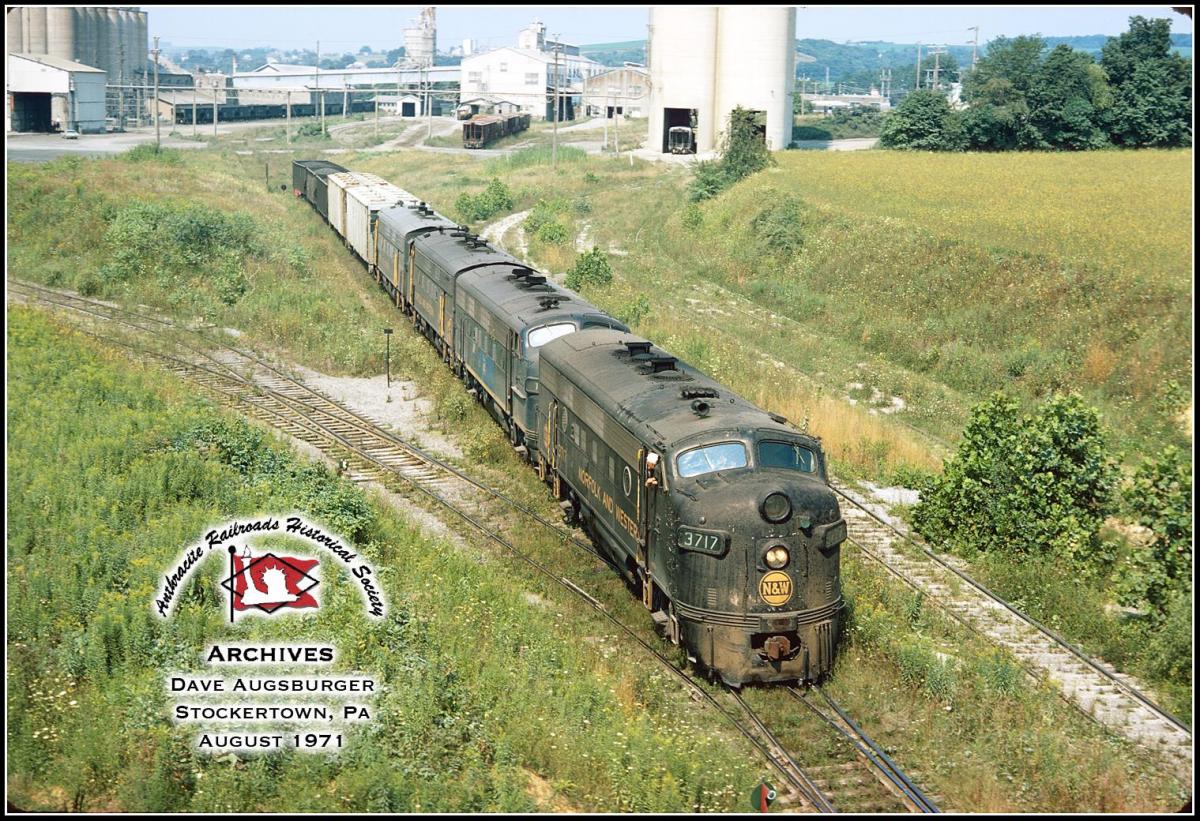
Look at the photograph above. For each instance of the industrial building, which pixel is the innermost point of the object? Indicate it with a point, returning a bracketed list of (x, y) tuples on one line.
[(113, 40), (530, 75), (52, 94), (624, 91), (705, 61)]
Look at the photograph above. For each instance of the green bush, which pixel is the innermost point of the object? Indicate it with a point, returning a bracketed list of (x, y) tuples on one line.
[(692, 217), (779, 226), (634, 311), (543, 211), (1160, 497), (591, 268), (742, 153), (312, 130), (924, 121), (1032, 485), (1169, 650), (553, 233), (492, 200)]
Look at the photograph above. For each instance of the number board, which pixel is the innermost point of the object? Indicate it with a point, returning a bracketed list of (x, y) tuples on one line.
[(702, 541)]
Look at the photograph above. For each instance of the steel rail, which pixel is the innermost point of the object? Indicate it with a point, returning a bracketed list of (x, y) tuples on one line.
[(1053, 635)]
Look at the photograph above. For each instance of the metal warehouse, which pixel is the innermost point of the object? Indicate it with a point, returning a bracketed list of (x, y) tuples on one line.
[(52, 94)]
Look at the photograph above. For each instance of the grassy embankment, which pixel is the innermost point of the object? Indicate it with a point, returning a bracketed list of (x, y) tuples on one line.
[(336, 288), (496, 696)]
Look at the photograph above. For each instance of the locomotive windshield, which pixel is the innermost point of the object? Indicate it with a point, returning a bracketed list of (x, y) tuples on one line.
[(711, 458), (547, 333), (789, 455)]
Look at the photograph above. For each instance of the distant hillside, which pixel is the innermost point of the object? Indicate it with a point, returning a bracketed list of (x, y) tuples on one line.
[(860, 62)]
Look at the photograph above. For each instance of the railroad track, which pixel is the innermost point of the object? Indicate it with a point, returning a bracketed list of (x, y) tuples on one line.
[(243, 380), (1112, 699)]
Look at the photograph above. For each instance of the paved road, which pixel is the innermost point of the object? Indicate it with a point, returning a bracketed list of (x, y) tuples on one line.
[(855, 144)]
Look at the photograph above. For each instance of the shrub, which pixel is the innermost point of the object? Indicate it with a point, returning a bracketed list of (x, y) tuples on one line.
[(1169, 651), (543, 211), (634, 311), (924, 121), (492, 200), (1160, 497), (312, 130), (779, 225), (591, 269), (552, 233), (1033, 485), (692, 217), (743, 152)]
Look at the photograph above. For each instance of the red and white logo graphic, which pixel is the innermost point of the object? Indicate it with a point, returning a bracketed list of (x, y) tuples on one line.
[(270, 582)]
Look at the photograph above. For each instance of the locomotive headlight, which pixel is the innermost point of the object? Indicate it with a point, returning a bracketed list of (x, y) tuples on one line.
[(777, 557), (776, 508)]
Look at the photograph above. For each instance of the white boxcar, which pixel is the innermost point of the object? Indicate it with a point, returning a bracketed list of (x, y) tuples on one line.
[(363, 204), (338, 184)]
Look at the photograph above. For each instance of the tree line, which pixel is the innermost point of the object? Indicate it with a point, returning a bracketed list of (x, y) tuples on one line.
[(1021, 96)]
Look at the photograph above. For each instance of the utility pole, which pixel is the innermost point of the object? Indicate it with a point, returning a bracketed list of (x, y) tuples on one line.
[(937, 53), (974, 46), (195, 95), (154, 108), (918, 67), (215, 115), (319, 94), (121, 87), (428, 104), (827, 79), (288, 130), (554, 106)]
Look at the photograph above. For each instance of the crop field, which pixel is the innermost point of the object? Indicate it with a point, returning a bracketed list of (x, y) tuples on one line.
[(799, 306)]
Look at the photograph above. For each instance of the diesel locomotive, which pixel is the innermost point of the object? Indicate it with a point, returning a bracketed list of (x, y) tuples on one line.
[(717, 512)]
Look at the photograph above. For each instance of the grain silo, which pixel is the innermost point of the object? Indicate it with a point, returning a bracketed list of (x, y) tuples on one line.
[(707, 61), (143, 34)]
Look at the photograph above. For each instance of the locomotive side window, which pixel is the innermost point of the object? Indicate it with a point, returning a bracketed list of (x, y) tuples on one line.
[(787, 455), (711, 458), (540, 336)]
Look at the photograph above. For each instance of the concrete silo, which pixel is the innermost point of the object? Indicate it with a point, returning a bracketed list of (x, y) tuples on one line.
[(135, 53), (102, 43), (682, 73), (756, 67), (14, 29), (708, 61), (35, 30), (117, 58), (143, 34), (60, 32)]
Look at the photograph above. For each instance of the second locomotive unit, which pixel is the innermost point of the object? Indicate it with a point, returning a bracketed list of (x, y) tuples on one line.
[(717, 512)]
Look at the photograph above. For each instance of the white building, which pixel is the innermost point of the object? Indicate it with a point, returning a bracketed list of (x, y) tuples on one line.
[(45, 91), (705, 61), (624, 91), (528, 78)]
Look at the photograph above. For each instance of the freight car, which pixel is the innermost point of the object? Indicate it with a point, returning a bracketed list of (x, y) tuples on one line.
[(718, 512), (229, 112), (483, 129), (310, 181)]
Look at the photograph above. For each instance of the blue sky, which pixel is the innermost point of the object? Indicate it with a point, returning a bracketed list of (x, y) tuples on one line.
[(346, 28)]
